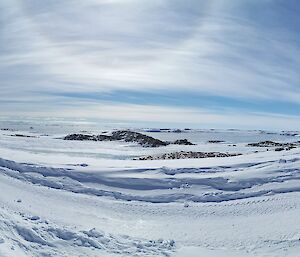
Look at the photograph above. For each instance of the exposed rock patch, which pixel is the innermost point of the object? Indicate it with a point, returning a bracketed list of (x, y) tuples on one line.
[(177, 131), (290, 133), (144, 140), (278, 146), (273, 144), (21, 135), (279, 149), (265, 144), (7, 129), (187, 155), (215, 141), (182, 142)]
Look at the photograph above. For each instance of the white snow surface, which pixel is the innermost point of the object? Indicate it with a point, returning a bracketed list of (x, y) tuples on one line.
[(69, 198)]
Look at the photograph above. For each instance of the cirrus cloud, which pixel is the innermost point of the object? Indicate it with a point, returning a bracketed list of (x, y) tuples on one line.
[(240, 50)]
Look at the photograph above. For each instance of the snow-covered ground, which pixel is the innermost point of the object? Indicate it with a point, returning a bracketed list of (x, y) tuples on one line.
[(76, 198)]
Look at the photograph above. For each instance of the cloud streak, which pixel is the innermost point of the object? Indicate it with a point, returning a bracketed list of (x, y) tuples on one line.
[(208, 48)]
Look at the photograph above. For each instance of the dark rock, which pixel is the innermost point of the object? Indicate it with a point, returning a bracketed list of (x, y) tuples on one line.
[(20, 135), (153, 130), (177, 131), (215, 141), (289, 133), (182, 142), (278, 149)]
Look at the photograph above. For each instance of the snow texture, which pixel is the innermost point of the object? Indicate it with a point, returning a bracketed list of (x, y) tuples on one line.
[(91, 198)]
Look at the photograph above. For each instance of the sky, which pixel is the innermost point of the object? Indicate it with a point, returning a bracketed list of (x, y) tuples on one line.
[(191, 63)]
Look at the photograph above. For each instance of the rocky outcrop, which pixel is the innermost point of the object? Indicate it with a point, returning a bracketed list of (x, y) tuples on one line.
[(290, 133), (80, 137), (84, 137), (143, 140), (182, 142), (187, 155), (120, 135)]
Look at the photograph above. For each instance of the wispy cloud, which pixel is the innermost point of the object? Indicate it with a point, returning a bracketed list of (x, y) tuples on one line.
[(216, 48)]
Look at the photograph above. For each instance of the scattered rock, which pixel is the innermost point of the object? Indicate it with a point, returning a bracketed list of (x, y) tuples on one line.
[(21, 135), (7, 129), (289, 134), (282, 161), (215, 141), (279, 146), (187, 155), (265, 144)]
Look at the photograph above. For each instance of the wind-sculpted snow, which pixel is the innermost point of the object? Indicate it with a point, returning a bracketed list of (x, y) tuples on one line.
[(90, 198), (46, 239), (272, 180)]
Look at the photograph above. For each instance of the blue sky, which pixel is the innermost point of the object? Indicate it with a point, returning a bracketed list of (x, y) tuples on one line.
[(201, 63)]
